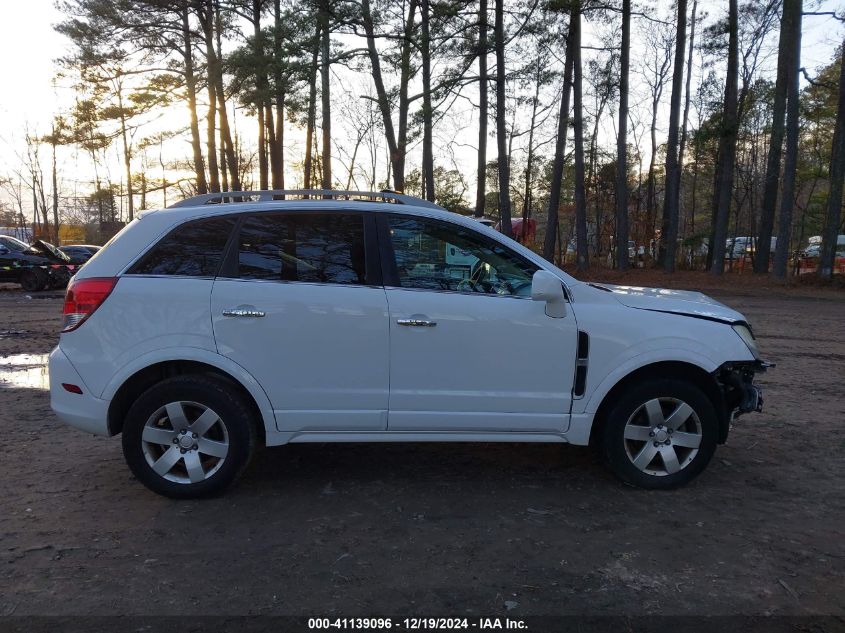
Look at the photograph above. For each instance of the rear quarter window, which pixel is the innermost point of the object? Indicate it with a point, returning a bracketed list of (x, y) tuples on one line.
[(194, 249)]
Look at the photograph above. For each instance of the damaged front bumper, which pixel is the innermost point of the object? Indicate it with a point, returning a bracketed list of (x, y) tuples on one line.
[(739, 393), (738, 388)]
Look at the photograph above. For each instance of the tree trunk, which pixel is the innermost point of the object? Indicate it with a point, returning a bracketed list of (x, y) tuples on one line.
[(325, 40), (312, 110), (36, 221), (396, 139), (428, 149), (581, 252), (553, 222), (622, 144), (127, 153), (216, 71), (529, 163), (650, 197), (211, 139), (207, 24), (591, 180), (501, 132), (191, 87), (481, 170), (261, 94), (263, 179), (270, 127), (770, 188), (277, 148), (43, 205), (143, 190), (224, 176), (404, 79), (790, 165), (837, 174), (228, 142), (727, 147), (54, 142), (671, 206), (378, 80), (685, 121)]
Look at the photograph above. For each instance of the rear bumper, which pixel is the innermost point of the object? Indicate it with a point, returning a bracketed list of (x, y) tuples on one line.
[(80, 410)]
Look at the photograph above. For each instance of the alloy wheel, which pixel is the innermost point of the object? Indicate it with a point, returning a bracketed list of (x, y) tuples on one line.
[(185, 442), (662, 436)]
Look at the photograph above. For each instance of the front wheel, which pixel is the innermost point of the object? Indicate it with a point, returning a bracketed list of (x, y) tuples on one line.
[(660, 434), (189, 436)]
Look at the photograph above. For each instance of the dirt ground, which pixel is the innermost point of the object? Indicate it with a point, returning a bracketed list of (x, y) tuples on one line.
[(439, 529)]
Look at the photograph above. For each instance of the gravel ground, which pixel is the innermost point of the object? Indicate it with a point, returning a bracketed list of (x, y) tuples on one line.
[(446, 529)]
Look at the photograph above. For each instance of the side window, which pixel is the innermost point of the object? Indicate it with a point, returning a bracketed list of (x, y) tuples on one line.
[(435, 255), (194, 249), (308, 247)]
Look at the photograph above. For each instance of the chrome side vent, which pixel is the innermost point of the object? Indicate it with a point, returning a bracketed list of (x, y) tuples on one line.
[(581, 361)]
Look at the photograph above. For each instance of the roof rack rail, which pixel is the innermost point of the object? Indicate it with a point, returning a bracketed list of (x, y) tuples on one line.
[(268, 195)]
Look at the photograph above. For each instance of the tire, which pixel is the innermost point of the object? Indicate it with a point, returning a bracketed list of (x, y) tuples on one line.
[(660, 434), (33, 280), (218, 444)]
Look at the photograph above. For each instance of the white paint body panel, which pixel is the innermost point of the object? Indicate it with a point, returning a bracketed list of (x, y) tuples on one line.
[(623, 339), (320, 351), (490, 363), (493, 369), (143, 315), (83, 411)]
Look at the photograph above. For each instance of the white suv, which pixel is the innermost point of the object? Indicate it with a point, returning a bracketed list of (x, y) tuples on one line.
[(316, 316)]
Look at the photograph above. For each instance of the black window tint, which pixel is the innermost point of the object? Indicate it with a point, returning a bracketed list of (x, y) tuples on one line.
[(435, 255), (317, 248), (194, 249)]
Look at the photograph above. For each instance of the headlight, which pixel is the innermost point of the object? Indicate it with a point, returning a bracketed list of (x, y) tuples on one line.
[(748, 338)]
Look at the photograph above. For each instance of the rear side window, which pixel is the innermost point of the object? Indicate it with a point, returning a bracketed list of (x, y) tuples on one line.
[(308, 247), (194, 249)]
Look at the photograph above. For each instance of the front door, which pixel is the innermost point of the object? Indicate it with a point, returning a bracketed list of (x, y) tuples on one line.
[(470, 351), (301, 310)]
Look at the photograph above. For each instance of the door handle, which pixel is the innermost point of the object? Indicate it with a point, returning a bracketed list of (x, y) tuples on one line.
[(416, 322), (240, 312)]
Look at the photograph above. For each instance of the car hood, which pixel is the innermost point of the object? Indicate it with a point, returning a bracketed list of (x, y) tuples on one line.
[(684, 302), (51, 252)]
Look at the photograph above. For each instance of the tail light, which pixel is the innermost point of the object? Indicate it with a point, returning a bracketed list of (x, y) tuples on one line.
[(83, 297)]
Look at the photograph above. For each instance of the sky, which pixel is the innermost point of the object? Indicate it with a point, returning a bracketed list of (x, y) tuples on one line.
[(29, 47)]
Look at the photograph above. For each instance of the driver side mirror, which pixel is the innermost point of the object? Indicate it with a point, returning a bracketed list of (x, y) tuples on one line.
[(547, 287)]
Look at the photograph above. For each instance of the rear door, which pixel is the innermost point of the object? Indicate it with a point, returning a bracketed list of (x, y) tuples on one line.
[(300, 305)]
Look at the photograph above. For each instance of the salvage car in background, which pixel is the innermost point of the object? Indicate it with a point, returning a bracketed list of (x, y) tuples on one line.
[(80, 252), (34, 267)]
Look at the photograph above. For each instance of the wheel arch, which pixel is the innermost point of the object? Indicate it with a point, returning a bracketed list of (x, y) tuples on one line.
[(137, 382), (666, 369)]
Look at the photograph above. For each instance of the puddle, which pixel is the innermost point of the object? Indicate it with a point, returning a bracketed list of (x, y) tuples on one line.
[(24, 371)]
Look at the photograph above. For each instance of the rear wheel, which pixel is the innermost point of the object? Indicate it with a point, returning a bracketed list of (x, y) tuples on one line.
[(189, 436), (660, 434), (33, 280)]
